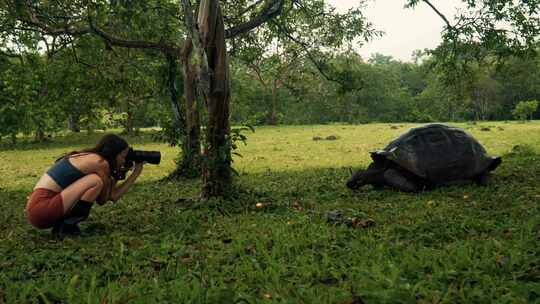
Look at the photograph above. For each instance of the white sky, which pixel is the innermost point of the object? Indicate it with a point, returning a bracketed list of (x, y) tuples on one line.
[(405, 30)]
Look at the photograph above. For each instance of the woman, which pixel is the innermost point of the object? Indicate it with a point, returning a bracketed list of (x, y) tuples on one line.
[(64, 195)]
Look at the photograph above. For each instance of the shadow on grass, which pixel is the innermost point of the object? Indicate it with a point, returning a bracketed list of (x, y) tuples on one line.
[(153, 208), (324, 188), (430, 218)]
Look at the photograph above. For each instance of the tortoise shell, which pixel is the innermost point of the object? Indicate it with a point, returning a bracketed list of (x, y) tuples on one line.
[(438, 153)]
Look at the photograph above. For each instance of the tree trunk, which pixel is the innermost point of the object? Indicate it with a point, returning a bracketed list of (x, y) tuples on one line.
[(172, 65), (193, 121), (73, 123), (39, 135), (273, 115), (190, 165), (128, 127), (216, 172)]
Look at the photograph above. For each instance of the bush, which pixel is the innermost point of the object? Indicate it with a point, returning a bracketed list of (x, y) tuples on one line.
[(525, 109)]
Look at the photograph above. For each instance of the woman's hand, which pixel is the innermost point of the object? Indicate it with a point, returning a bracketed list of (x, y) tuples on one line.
[(137, 169), (118, 191)]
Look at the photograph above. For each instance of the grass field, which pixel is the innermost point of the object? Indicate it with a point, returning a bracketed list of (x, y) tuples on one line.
[(463, 244)]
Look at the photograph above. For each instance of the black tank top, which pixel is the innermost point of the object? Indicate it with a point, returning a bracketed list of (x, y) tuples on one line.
[(64, 173)]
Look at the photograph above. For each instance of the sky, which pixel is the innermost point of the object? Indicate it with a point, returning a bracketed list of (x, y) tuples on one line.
[(405, 30)]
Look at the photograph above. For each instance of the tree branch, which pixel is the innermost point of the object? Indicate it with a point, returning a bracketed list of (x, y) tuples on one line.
[(67, 29), (9, 54), (134, 44), (269, 11), (249, 8), (310, 56), (257, 70), (32, 19), (79, 61), (56, 47), (443, 17)]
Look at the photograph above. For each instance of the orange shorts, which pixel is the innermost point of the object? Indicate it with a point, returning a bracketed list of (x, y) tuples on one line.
[(44, 208)]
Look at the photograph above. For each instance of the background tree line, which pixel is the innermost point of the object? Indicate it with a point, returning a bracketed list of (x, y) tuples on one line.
[(81, 87), (88, 87), (386, 90)]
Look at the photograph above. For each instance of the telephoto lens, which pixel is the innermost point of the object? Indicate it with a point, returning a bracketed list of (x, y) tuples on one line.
[(139, 156)]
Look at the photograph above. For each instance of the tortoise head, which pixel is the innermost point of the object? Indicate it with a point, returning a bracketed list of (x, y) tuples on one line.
[(357, 180), (372, 175)]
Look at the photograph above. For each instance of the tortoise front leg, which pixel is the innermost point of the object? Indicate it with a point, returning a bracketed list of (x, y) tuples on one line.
[(483, 179), (394, 178)]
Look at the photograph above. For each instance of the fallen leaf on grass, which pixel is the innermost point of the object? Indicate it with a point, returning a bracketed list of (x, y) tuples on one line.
[(502, 260), (404, 221), (361, 223), (185, 259), (267, 296), (135, 243)]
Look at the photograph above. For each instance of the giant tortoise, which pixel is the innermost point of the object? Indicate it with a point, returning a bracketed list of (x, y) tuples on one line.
[(425, 157)]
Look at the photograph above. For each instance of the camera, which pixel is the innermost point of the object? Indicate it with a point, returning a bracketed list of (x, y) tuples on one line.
[(137, 156)]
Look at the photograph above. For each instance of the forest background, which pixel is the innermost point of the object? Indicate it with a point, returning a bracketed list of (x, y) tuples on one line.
[(49, 84)]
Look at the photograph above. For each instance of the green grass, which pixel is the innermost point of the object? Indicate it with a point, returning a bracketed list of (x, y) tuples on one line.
[(157, 244)]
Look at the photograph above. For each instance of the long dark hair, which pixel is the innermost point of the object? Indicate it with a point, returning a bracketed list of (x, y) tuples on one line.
[(108, 147)]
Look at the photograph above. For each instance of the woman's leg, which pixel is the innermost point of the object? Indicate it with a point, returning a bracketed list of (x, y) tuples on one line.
[(86, 188)]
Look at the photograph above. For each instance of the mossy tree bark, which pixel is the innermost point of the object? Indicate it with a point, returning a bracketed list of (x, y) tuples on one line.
[(210, 59)]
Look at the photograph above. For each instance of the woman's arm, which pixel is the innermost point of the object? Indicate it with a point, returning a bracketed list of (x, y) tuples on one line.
[(118, 190), (108, 184), (105, 193)]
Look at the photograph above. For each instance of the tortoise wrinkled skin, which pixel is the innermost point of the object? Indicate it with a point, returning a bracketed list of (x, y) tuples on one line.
[(425, 157)]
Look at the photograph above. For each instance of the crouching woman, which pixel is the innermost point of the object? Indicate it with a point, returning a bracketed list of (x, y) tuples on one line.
[(64, 195)]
